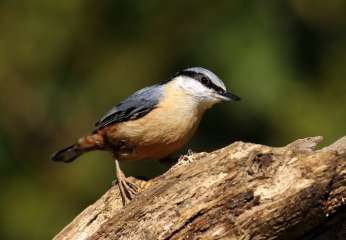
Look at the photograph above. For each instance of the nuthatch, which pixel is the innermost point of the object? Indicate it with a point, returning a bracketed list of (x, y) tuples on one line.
[(152, 123)]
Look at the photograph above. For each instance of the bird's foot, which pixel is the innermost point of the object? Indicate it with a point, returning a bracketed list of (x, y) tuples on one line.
[(128, 190), (188, 158), (189, 152)]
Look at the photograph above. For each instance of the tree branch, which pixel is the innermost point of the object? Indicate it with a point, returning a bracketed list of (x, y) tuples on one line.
[(243, 191)]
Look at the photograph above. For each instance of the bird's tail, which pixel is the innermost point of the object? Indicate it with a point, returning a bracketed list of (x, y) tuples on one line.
[(84, 144), (67, 154)]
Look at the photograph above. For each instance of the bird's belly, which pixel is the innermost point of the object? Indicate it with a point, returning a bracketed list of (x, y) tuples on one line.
[(153, 151), (154, 136)]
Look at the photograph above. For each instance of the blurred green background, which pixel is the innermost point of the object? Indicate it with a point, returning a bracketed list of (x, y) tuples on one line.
[(63, 64)]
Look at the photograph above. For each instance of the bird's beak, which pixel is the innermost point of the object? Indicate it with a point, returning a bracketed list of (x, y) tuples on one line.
[(228, 96)]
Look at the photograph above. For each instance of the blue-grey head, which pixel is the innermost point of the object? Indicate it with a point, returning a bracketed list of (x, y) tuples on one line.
[(203, 85)]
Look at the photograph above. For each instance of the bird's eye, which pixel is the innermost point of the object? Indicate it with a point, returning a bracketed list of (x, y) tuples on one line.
[(205, 81)]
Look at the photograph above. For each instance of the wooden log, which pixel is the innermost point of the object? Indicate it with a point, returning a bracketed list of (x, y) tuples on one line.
[(243, 191)]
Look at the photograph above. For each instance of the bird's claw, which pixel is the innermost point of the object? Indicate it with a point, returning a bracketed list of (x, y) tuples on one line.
[(189, 152), (128, 190)]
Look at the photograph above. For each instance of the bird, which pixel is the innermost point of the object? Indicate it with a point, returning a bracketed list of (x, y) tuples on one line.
[(153, 123)]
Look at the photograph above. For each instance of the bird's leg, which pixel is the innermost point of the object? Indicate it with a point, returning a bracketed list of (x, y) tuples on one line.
[(127, 189)]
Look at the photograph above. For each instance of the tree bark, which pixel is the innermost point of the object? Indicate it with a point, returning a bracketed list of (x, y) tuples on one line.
[(243, 191)]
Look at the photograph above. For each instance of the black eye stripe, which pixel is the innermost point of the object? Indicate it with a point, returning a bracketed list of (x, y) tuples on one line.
[(187, 73), (202, 79)]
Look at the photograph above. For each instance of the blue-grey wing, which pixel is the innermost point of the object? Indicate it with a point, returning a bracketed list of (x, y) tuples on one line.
[(136, 106)]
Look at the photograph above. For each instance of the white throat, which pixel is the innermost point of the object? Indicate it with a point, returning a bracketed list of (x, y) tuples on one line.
[(198, 92)]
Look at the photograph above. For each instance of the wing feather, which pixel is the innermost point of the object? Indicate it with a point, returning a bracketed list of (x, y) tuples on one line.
[(136, 106)]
